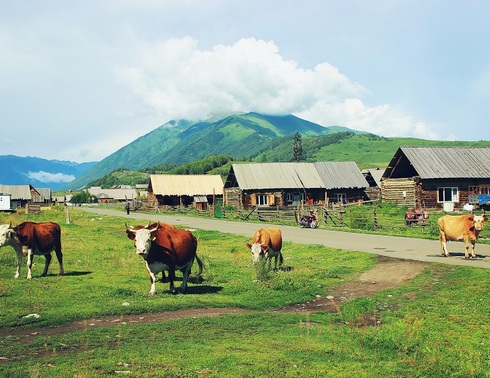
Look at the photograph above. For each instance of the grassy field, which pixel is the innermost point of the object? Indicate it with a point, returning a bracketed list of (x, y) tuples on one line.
[(434, 326)]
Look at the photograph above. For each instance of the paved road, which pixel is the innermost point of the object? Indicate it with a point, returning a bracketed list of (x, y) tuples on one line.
[(399, 247)]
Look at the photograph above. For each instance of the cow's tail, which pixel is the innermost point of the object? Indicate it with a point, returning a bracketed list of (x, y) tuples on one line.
[(199, 262)]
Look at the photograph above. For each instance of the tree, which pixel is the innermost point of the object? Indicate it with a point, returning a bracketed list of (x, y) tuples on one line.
[(297, 148)]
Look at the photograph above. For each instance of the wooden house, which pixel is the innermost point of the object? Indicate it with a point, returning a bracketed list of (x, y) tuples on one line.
[(22, 195), (184, 190), (292, 184), (436, 177), (373, 177)]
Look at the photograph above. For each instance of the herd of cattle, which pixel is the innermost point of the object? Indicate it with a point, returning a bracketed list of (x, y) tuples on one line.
[(166, 248)]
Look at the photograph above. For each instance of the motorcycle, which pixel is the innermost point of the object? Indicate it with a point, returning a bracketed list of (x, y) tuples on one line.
[(309, 221)]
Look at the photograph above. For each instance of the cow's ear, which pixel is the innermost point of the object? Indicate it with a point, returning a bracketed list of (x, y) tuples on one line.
[(485, 218), (153, 238), (472, 218), (130, 234), (265, 248), (248, 245)]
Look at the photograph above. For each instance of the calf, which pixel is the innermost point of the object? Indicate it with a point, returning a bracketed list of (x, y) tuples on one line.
[(164, 247), (30, 238), (266, 242), (460, 228)]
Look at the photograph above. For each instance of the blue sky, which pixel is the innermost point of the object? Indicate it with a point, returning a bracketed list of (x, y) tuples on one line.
[(79, 80)]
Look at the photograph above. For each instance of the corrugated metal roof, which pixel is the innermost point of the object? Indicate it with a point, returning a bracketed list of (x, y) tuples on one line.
[(343, 174), (449, 162), (186, 185), (18, 192), (322, 175), (277, 176)]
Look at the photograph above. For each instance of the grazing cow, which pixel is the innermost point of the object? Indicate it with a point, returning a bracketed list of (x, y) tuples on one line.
[(266, 242), (164, 247), (30, 238), (460, 228)]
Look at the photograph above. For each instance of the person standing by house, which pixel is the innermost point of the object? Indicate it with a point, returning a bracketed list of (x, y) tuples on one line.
[(127, 207)]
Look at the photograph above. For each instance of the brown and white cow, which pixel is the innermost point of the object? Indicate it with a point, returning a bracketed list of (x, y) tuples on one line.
[(266, 243), (30, 238), (164, 247), (460, 228)]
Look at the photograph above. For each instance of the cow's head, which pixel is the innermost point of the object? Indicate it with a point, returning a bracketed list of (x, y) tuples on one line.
[(141, 237), (6, 234), (259, 251), (479, 221)]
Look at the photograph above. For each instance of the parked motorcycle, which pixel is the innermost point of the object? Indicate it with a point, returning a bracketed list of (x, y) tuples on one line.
[(309, 221)]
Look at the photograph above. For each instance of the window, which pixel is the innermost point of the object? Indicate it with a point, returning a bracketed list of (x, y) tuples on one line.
[(262, 199), (341, 197), (448, 194)]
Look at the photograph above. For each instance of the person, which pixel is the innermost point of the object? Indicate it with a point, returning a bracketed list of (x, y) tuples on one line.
[(127, 208)]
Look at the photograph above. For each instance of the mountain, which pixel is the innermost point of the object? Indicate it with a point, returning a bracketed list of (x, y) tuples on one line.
[(177, 142), (40, 173)]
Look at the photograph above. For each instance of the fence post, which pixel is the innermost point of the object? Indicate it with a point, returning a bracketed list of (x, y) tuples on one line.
[(375, 219)]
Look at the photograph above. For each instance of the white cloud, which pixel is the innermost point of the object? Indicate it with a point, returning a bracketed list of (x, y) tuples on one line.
[(175, 79), (50, 177), (380, 120)]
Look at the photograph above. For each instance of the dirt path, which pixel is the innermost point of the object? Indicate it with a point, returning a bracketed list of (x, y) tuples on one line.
[(388, 273)]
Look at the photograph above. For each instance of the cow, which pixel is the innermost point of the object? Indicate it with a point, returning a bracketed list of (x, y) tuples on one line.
[(30, 238), (266, 243), (460, 228), (164, 247)]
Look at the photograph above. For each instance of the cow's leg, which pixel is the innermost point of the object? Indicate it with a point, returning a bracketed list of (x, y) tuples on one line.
[(473, 255), (443, 241), (171, 278), (30, 259), (19, 262), (152, 280), (466, 248), (186, 272), (47, 256), (59, 256)]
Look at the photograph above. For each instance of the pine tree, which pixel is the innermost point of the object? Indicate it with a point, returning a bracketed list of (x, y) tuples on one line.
[(297, 148)]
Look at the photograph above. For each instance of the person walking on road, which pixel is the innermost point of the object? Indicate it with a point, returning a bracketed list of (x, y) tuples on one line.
[(127, 207)]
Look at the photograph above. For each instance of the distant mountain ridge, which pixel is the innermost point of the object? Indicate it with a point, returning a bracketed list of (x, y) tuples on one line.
[(40, 173), (179, 142)]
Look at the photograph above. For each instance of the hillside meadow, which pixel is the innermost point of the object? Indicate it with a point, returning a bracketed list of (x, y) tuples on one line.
[(435, 325)]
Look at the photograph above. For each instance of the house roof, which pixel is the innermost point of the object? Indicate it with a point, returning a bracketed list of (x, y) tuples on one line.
[(341, 174), (117, 194), (18, 192), (186, 185), (323, 175), (277, 176), (443, 162)]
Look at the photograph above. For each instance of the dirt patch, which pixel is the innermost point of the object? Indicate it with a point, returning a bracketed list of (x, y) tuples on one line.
[(388, 273)]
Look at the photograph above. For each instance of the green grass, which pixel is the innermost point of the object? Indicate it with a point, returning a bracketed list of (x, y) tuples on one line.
[(434, 326)]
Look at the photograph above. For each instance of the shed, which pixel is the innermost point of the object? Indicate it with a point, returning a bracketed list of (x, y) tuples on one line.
[(184, 190), (436, 177), (5, 202), (291, 184)]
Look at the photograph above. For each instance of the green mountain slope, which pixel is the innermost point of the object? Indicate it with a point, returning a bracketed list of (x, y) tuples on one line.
[(241, 136)]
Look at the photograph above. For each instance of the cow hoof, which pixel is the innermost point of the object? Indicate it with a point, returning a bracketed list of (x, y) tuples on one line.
[(151, 293)]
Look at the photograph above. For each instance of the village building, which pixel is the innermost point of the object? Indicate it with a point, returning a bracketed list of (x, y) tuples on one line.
[(199, 191), (22, 195), (293, 184), (436, 177), (373, 177), (113, 195)]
